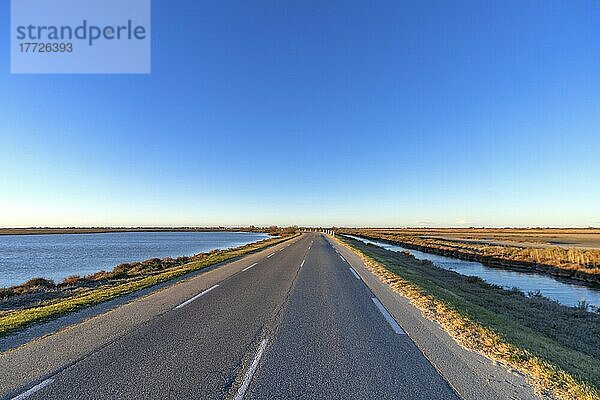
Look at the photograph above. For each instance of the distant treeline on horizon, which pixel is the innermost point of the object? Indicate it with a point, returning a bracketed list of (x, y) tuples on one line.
[(56, 230)]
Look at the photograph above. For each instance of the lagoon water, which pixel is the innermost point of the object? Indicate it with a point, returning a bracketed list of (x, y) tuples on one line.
[(565, 292), (57, 256)]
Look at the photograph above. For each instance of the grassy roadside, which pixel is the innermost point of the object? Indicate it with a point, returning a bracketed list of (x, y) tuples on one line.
[(555, 346), (85, 297)]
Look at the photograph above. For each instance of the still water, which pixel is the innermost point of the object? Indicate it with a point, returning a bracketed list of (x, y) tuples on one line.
[(567, 293), (23, 257)]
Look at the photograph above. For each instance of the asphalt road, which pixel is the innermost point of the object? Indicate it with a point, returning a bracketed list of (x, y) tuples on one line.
[(296, 323)]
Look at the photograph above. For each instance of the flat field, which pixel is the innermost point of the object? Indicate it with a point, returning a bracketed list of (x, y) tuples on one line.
[(536, 237)]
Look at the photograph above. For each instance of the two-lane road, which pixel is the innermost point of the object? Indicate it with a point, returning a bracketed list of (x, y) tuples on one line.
[(336, 340), (298, 323)]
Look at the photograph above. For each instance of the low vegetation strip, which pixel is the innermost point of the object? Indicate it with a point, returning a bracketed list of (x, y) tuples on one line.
[(575, 263), (46, 300), (555, 346)]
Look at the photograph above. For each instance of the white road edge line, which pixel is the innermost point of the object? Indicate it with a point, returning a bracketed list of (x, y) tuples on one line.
[(185, 303), (388, 317), (247, 268), (354, 273), (250, 372), (34, 389)]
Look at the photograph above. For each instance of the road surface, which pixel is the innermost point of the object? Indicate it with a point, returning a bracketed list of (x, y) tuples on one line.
[(295, 321)]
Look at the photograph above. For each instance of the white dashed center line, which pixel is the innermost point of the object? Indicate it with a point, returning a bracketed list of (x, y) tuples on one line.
[(343, 259), (270, 255), (185, 303), (250, 372), (247, 268)]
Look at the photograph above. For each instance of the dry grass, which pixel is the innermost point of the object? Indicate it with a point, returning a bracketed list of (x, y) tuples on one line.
[(577, 237), (555, 346)]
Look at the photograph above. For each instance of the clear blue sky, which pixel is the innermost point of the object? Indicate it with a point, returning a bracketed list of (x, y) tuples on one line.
[(318, 113)]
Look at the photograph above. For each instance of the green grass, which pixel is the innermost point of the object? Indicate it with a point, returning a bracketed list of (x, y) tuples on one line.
[(15, 320), (557, 345)]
